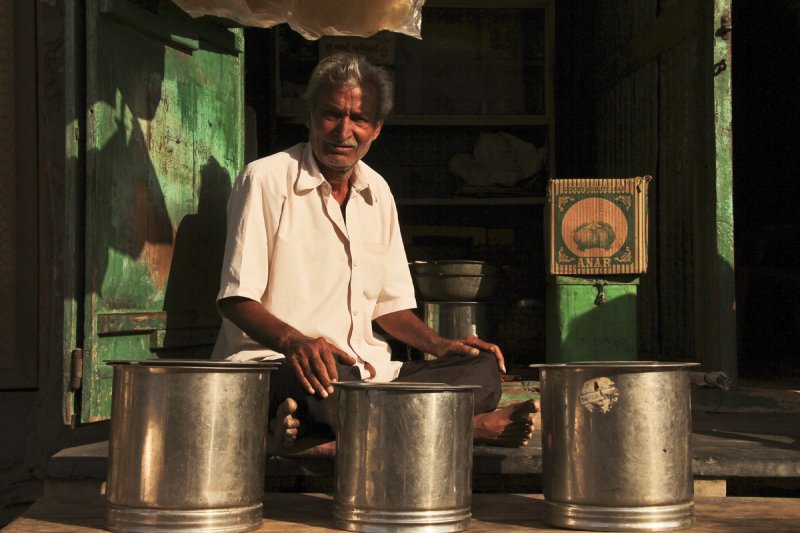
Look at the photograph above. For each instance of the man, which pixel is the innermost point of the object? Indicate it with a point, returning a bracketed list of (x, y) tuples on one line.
[(314, 255)]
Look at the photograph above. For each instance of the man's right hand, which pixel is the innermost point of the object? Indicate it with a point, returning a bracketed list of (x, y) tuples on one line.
[(314, 363), (313, 360)]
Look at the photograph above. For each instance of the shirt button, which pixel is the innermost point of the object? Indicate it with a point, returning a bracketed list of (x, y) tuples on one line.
[(355, 313)]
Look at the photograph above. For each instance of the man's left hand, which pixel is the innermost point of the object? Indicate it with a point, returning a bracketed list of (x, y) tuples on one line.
[(472, 345)]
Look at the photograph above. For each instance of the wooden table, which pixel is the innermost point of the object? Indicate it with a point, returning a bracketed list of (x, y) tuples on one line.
[(492, 513)]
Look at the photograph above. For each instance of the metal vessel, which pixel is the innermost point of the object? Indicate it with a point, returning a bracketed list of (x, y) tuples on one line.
[(188, 446), (456, 320), (404, 458), (454, 280), (616, 445)]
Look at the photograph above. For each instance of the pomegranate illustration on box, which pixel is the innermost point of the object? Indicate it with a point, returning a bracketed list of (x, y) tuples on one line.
[(597, 226)]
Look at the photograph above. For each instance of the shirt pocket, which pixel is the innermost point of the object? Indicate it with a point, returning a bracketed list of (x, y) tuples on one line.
[(373, 268)]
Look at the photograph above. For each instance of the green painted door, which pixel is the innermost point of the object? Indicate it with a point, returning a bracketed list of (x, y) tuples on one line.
[(164, 140)]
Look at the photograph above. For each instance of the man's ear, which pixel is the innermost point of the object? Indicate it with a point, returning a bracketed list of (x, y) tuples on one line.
[(378, 126)]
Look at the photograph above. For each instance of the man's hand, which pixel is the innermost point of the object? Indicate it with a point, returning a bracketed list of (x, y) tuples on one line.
[(406, 327), (314, 363), (313, 360), (473, 346)]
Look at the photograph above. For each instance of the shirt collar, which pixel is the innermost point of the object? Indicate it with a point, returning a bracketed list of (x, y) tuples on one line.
[(311, 177)]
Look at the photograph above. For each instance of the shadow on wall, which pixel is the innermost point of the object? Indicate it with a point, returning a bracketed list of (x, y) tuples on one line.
[(189, 300), (129, 231)]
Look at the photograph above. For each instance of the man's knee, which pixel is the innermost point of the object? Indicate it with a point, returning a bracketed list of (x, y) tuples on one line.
[(486, 373), (489, 360)]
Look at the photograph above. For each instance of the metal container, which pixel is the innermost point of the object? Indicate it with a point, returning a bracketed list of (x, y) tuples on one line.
[(188, 445), (460, 267), (616, 445), (460, 281), (455, 320), (404, 457)]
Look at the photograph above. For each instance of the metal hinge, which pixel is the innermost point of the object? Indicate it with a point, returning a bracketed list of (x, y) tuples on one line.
[(725, 28), (76, 369)]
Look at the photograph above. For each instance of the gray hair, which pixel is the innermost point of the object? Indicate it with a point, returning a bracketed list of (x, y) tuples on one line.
[(350, 69)]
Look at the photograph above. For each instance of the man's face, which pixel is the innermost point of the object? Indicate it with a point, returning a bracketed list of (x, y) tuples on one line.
[(342, 125)]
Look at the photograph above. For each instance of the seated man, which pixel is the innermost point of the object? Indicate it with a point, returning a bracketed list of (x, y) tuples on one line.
[(314, 255)]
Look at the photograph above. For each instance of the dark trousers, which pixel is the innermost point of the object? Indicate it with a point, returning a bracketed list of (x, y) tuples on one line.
[(319, 416)]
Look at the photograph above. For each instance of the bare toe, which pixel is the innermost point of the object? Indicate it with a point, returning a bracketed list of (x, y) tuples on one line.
[(283, 428)]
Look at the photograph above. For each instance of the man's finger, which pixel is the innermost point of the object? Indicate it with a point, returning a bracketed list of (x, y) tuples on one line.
[(330, 368), (309, 381), (501, 362), (320, 367), (344, 357), (301, 374), (317, 386), (493, 348)]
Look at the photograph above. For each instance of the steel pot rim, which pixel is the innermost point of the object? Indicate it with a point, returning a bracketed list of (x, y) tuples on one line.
[(404, 386), (205, 364), (617, 365)]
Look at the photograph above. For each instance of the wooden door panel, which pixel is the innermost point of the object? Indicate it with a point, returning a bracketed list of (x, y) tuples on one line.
[(164, 125)]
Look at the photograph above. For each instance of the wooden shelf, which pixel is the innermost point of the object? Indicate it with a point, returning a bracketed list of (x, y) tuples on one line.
[(521, 200), (491, 4), (448, 120)]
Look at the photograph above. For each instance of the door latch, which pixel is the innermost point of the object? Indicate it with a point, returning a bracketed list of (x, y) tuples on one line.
[(601, 294)]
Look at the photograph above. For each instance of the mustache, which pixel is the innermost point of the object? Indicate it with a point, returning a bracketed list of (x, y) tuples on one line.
[(343, 144)]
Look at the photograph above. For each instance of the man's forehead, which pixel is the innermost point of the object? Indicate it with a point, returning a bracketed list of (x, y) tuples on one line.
[(330, 87), (327, 93)]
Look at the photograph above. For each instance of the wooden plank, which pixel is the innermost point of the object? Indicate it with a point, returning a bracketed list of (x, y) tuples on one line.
[(492, 513), (147, 321)]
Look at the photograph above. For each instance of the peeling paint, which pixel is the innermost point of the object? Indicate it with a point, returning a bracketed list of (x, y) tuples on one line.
[(152, 244)]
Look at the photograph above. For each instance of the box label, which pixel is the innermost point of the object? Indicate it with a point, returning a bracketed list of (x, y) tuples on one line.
[(598, 226)]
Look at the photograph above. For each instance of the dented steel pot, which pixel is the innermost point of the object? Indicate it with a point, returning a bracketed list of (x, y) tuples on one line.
[(616, 445)]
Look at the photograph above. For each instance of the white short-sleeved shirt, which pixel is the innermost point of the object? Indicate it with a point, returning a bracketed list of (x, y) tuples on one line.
[(289, 247)]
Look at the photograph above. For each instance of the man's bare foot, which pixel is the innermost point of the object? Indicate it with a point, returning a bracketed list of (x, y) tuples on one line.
[(283, 428), (510, 426), (283, 436)]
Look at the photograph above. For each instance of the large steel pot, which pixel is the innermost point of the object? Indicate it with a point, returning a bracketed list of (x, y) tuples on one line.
[(404, 457), (188, 445), (453, 280), (616, 445)]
